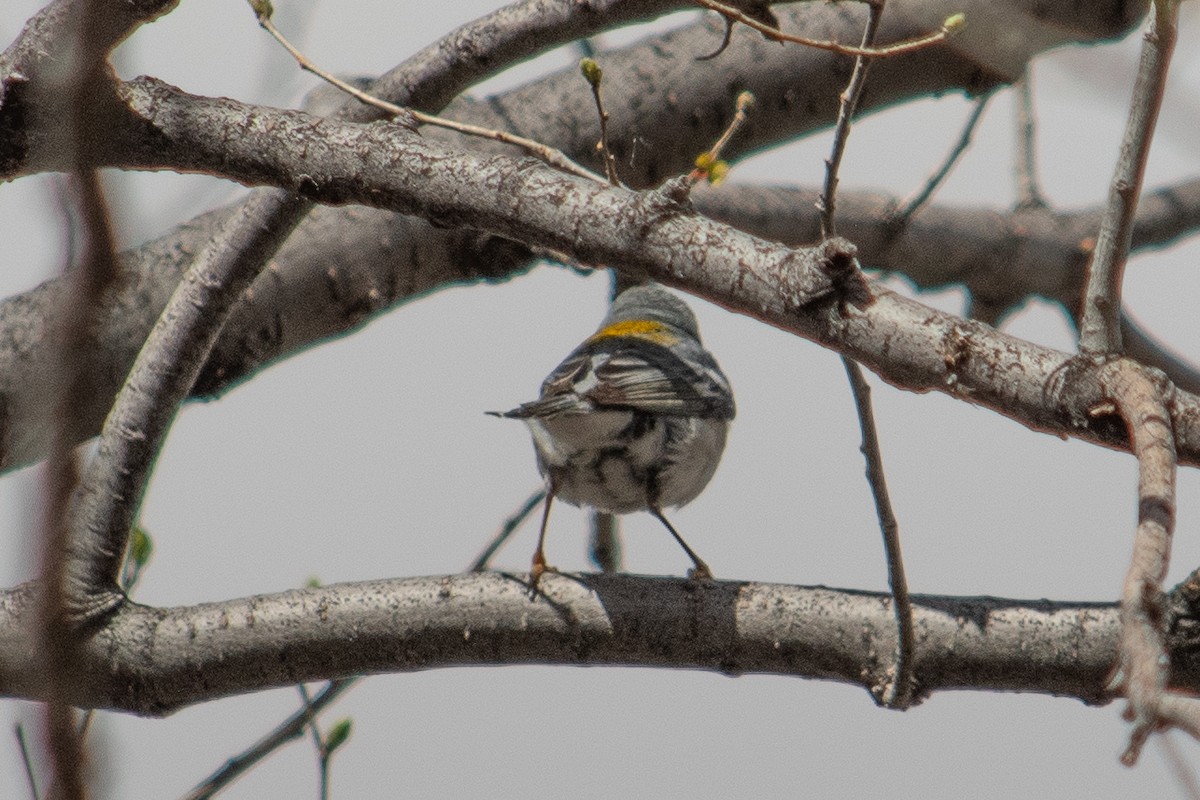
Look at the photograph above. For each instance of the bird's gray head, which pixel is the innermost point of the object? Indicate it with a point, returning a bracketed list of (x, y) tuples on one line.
[(652, 303)]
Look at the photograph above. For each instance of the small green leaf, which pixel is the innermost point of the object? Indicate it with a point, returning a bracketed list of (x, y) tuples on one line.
[(338, 734), (718, 172), (591, 71), (141, 546), (313, 582)]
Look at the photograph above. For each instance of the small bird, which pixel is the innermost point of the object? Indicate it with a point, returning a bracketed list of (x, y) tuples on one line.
[(634, 419)]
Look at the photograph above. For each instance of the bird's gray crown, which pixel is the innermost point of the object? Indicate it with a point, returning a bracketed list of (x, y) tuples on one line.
[(653, 303)]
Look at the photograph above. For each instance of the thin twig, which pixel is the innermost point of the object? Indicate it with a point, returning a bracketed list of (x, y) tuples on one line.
[(948, 28), (826, 204), (604, 547), (709, 165), (1029, 195), (1141, 398), (552, 156), (323, 778), (306, 698), (290, 729), (27, 761), (899, 691), (507, 529), (587, 47), (1100, 328), (85, 722), (917, 200), (318, 745), (595, 76)]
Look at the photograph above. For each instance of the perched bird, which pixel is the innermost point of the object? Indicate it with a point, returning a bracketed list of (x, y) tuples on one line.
[(635, 419)]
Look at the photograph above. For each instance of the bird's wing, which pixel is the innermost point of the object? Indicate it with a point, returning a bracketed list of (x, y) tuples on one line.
[(631, 373)]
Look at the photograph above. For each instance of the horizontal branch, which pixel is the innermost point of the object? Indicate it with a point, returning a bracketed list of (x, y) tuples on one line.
[(665, 107), (154, 661), (1002, 257), (653, 233), (347, 264)]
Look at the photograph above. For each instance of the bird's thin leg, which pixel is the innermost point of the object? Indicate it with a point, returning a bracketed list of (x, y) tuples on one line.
[(539, 565), (701, 570)]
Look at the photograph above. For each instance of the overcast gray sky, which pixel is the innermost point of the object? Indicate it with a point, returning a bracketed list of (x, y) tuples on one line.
[(371, 457)]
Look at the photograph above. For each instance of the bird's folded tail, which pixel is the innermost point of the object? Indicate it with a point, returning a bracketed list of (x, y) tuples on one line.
[(547, 407)]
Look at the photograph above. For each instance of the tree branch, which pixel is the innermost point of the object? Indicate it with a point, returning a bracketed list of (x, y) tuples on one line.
[(1141, 398), (1099, 324), (665, 107), (348, 264), (217, 649), (905, 342)]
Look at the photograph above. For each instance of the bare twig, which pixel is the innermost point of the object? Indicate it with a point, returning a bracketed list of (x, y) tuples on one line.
[(323, 745), (26, 761), (774, 34), (1141, 398), (709, 165), (898, 693), (826, 204), (604, 547), (917, 200), (313, 730), (507, 529), (595, 76), (290, 729), (1028, 193), (1100, 328), (551, 155)]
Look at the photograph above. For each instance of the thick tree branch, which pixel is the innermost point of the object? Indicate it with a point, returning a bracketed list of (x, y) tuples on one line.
[(1002, 257), (49, 49), (303, 298), (348, 264), (216, 649), (905, 342), (665, 107), (110, 493)]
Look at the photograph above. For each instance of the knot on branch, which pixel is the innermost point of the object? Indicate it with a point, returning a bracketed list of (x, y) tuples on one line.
[(1076, 389), (673, 196), (830, 269)]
